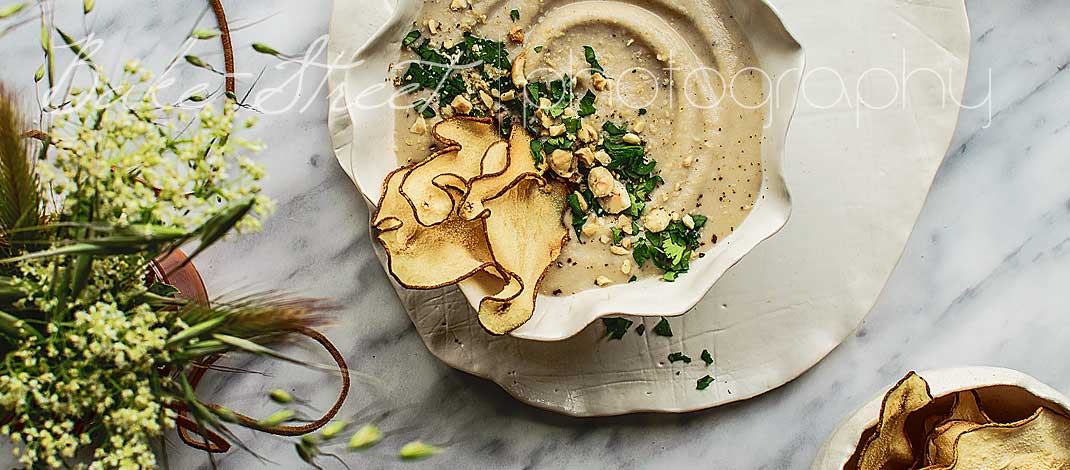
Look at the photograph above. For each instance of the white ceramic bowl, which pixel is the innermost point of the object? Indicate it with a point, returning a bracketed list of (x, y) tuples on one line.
[(557, 318), (1002, 384)]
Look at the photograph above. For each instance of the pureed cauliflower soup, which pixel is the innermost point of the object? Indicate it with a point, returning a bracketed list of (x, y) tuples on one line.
[(650, 110)]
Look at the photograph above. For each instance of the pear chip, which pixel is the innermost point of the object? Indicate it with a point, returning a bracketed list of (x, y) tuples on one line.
[(478, 205), (456, 247), (525, 246), (890, 447), (964, 437), (467, 141)]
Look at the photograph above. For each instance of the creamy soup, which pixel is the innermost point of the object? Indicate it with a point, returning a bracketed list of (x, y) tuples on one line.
[(679, 74)]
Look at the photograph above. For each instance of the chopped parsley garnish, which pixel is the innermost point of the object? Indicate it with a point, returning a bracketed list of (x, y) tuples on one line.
[(587, 104), (538, 49), (536, 151), (707, 358), (515, 15), (410, 39), (671, 249), (616, 328), (639, 330), (588, 53), (424, 108), (704, 383), (579, 216), (435, 69), (572, 125), (679, 357), (663, 328), (642, 111)]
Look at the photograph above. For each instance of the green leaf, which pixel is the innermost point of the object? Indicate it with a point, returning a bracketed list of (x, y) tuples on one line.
[(266, 49), (587, 104), (410, 38), (641, 329), (204, 34), (12, 10), (276, 418), (539, 49), (196, 61), (704, 383), (15, 327), (418, 450), (515, 15), (588, 53), (281, 397), (700, 220), (663, 328), (334, 429), (616, 328), (536, 151), (679, 357), (195, 331), (707, 358), (365, 437)]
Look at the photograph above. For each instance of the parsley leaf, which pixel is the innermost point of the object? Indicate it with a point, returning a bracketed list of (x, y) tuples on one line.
[(515, 15), (538, 49), (616, 327), (424, 108), (707, 358), (588, 53), (640, 329), (704, 383), (663, 328), (536, 151), (587, 105), (579, 216), (410, 38), (572, 125), (679, 357)]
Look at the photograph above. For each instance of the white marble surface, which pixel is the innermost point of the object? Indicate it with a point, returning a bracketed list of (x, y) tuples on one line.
[(984, 280)]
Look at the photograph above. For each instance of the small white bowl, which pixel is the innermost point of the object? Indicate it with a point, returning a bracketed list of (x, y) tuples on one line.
[(843, 442), (558, 318)]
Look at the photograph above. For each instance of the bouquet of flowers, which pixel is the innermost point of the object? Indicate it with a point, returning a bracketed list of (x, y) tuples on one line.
[(99, 352)]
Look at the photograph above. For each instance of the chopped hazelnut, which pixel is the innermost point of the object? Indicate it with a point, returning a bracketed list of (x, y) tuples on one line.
[(618, 250), (602, 281), (519, 80), (586, 156), (433, 26), (657, 220), (601, 181), (599, 82), (631, 138), (487, 100), (509, 95), (618, 200), (457, 5), (639, 126), (419, 127), (461, 105), (582, 200), (602, 157), (626, 267), (516, 35), (557, 130), (563, 162), (688, 221), (587, 133)]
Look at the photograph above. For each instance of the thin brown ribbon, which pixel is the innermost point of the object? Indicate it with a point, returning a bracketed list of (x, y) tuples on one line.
[(215, 443)]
